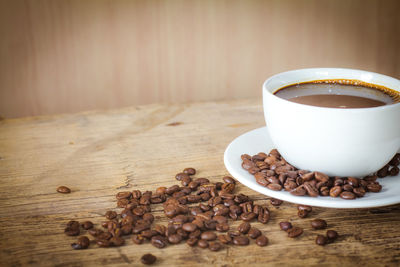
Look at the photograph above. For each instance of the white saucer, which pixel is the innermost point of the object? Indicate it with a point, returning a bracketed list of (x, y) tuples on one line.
[(258, 140)]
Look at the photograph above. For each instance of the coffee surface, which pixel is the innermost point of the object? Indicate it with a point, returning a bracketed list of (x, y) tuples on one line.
[(337, 101), (335, 95)]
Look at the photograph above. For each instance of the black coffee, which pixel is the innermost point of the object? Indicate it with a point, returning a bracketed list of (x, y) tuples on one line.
[(339, 94)]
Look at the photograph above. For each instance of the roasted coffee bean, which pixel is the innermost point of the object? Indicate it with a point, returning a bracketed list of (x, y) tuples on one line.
[(302, 213), (117, 241), (394, 171), (220, 219), (139, 227), (308, 176), (254, 233), (354, 182), (261, 180), (148, 217), (395, 160), (111, 214), (189, 227), (161, 190), (324, 191), (172, 189), (321, 177), (174, 239), (195, 233), (257, 209), (318, 224), (312, 191), (181, 175), (193, 198), (82, 243), (160, 229), (189, 171), (263, 215), (294, 232), (347, 188), (186, 180), (225, 239), (228, 179), (202, 243), (121, 195), (103, 243), (304, 207), (383, 172), (215, 246), (321, 240), (122, 203), (63, 190), (210, 224), (73, 224), (159, 241), (370, 178), (285, 226), (335, 191), (275, 202), (202, 181), (104, 236), (374, 187), (347, 195), (359, 191), (148, 234), (222, 227), (126, 229), (87, 225), (95, 232), (192, 241), (241, 240), (245, 156), (72, 231), (274, 187), (228, 187), (332, 235), (136, 194), (248, 216), (148, 259), (193, 185), (290, 185), (138, 239), (205, 196), (208, 235), (298, 191), (247, 206), (262, 241), (244, 227)]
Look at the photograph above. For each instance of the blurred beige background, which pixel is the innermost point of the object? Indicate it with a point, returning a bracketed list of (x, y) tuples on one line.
[(67, 56)]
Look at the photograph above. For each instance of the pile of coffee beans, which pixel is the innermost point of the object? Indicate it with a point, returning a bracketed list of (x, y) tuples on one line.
[(274, 172), (198, 211)]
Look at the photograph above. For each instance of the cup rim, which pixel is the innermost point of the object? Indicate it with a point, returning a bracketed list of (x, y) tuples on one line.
[(384, 107)]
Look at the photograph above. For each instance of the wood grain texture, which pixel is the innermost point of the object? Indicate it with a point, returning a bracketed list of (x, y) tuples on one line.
[(99, 153), (68, 56)]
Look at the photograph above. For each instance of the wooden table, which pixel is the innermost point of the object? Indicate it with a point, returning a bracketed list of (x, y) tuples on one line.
[(100, 153)]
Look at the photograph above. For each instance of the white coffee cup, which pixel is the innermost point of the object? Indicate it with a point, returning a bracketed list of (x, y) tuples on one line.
[(338, 142)]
